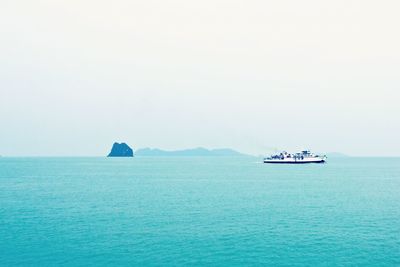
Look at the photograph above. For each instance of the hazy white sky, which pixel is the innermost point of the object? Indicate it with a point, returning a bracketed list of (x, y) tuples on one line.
[(75, 76)]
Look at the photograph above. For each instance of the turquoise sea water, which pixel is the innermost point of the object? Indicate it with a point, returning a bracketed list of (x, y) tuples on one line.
[(198, 212)]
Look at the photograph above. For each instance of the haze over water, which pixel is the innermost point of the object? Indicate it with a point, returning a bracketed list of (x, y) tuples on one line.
[(252, 75), (193, 211)]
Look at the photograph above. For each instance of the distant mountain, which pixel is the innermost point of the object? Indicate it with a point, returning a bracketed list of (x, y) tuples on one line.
[(203, 152), (336, 155)]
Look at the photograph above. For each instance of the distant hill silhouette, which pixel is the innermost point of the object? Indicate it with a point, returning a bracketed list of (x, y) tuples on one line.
[(222, 152), (336, 155)]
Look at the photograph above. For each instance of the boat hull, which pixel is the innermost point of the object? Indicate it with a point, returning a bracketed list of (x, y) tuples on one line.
[(294, 161)]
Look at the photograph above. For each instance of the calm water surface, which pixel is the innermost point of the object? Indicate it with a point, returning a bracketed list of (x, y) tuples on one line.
[(198, 212)]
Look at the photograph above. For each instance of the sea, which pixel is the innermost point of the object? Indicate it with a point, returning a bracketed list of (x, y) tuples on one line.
[(198, 211)]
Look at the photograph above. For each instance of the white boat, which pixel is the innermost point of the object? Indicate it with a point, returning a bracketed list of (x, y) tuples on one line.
[(298, 158)]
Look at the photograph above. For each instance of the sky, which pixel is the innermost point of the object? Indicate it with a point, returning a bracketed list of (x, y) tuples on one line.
[(256, 76)]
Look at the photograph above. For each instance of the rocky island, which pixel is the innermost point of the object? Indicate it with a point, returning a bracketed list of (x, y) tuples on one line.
[(120, 150)]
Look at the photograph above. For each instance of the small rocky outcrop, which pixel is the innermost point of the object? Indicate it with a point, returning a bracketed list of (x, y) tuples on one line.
[(120, 150)]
